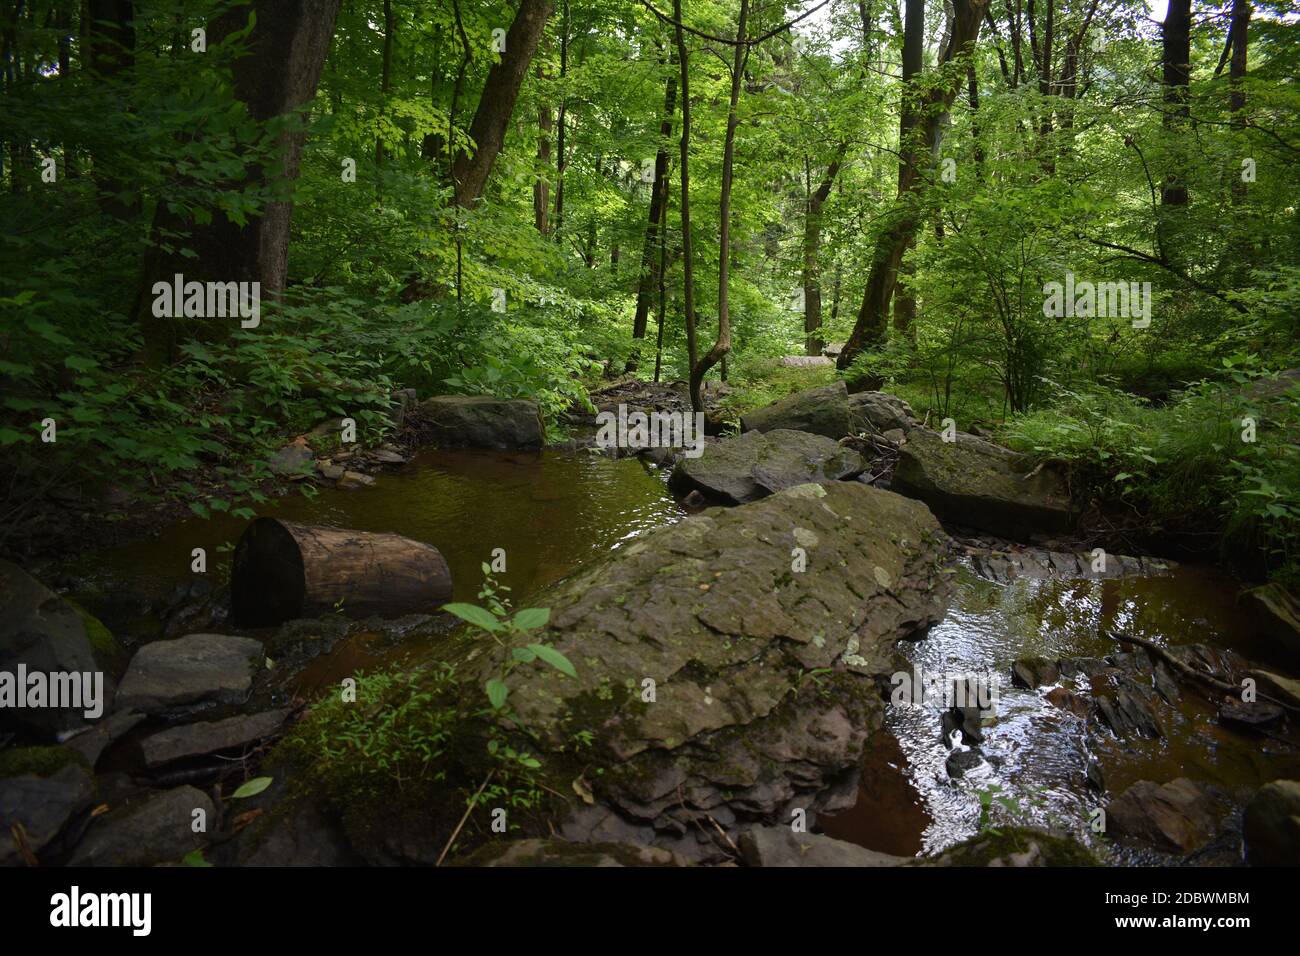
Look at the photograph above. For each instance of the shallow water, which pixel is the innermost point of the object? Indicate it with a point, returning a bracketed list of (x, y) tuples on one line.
[(1038, 753), (554, 513)]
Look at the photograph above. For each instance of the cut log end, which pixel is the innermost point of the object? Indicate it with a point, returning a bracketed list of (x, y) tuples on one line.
[(284, 570)]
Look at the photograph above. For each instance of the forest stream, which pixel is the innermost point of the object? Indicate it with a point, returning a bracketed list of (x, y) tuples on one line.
[(555, 512)]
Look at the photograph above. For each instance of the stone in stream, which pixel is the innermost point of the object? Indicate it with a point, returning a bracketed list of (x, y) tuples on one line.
[(975, 483), (92, 743), (1127, 710), (779, 846), (1278, 612), (158, 829), (1250, 714), (823, 411), (196, 669), (479, 421), (1015, 847), (692, 647), (205, 737), (1034, 672), (755, 464), (1177, 817), (40, 807), (43, 634), (1271, 825)]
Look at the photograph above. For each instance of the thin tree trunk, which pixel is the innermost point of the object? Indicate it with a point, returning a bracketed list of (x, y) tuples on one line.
[(688, 251), (722, 345), (542, 186), (658, 200)]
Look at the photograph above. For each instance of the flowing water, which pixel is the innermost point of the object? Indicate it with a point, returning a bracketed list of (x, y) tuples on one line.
[(554, 513)]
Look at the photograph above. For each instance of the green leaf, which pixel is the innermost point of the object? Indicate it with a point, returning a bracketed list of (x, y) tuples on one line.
[(473, 614), (554, 658), (252, 788), (497, 692), (531, 617), (523, 654), (194, 858)]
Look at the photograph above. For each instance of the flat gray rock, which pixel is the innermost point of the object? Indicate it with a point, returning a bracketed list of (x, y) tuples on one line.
[(159, 829), (197, 668), (757, 464), (205, 737)]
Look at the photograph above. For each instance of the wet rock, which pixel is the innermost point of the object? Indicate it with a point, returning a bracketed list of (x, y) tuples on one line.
[(1069, 701), (1096, 776), (44, 634), (352, 480), (756, 464), (780, 846), (1249, 714), (709, 612), (1177, 817), (205, 737), (196, 669), (961, 762), (976, 483), (821, 411), (330, 471), (553, 852), (882, 412), (1033, 672), (90, 744), (1016, 847), (158, 829), (1283, 689), (478, 421), (41, 807), (1127, 711), (1271, 825)]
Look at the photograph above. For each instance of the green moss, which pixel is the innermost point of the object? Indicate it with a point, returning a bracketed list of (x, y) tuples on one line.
[(986, 848), (108, 652), (41, 761)]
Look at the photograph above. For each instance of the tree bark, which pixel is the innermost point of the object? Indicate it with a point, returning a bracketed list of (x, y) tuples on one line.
[(276, 77), (497, 102), (902, 220), (722, 345), (688, 252), (658, 200), (812, 238), (1176, 62), (542, 185), (283, 571)]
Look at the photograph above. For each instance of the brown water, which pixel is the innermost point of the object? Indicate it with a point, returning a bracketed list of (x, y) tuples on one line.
[(553, 513), (1037, 753)]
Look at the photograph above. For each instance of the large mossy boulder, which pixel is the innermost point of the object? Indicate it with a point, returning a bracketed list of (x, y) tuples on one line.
[(756, 464), (42, 633), (1016, 847), (480, 421), (981, 485), (822, 411), (879, 412), (721, 680)]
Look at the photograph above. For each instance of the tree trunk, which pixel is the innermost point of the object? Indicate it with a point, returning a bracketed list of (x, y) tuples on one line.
[(722, 345), (902, 222), (1176, 61), (497, 103), (812, 239), (658, 200), (688, 253), (542, 185), (283, 571), (1236, 73), (277, 77)]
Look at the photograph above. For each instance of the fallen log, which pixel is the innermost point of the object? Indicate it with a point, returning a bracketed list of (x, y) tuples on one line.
[(285, 570)]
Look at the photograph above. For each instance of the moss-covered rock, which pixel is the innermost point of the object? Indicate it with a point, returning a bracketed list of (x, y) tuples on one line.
[(1016, 846), (979, 484), (41, 761), (108, 652)]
